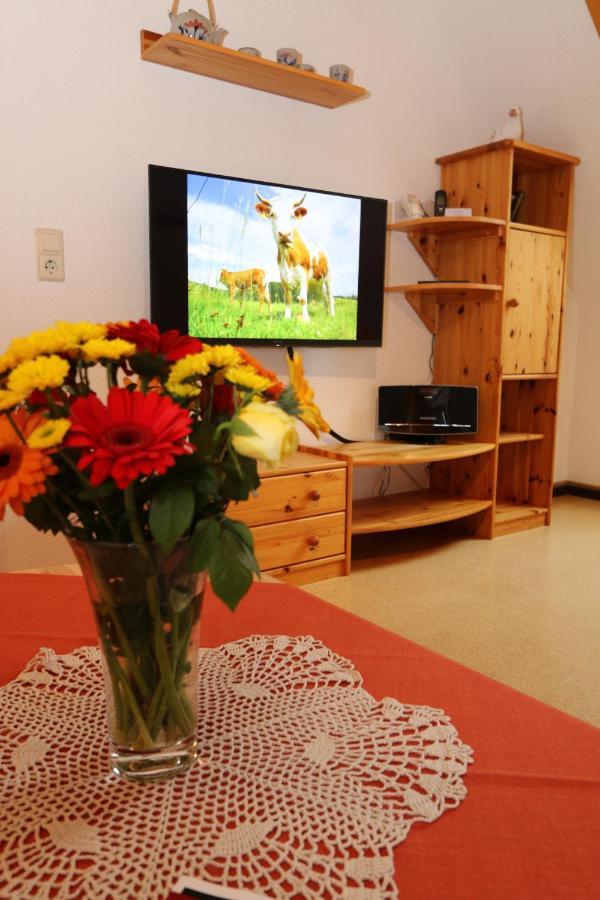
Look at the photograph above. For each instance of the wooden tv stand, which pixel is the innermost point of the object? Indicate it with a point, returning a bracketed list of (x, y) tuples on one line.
[(414, 509)]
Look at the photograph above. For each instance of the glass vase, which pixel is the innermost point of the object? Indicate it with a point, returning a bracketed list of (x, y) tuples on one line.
[(147, 608)]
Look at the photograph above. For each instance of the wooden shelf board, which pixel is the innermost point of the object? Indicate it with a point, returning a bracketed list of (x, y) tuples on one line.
[(450, 226), (413, 509), (538, 229), (510, 517), (202, 58), (444, 291), (516, 437), (530, 154), (396, 453), (531, 376)]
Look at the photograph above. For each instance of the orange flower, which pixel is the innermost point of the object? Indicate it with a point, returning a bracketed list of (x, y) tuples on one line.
[(276, 388), (23, 471), (309, 412)]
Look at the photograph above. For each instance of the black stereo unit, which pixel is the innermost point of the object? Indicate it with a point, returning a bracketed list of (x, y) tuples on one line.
[(427, 412)]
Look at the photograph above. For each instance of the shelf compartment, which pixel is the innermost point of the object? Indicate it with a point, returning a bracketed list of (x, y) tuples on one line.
[(413, 509), (538, 229), (444, 291), (395, 453), (509, 517), (516, 437), (201, 58), (450, 227)]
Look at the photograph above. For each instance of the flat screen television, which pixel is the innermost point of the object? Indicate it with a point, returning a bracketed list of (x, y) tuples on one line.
[(427, 411), (254, 262)]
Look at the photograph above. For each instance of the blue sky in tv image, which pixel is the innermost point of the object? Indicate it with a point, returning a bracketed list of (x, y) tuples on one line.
[(226, 232)]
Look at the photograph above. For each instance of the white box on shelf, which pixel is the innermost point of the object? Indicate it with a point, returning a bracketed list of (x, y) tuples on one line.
[(458, 211)]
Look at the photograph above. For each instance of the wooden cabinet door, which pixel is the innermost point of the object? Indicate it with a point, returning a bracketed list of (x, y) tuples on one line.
[(533, 299)]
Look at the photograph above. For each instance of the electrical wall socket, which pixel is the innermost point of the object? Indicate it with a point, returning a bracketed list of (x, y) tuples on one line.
[(50, 254)]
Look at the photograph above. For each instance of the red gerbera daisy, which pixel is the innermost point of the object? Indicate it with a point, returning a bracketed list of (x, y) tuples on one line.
[(134, 434), (147, 338)]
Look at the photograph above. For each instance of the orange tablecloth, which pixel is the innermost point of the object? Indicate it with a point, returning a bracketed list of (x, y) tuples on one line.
[(530, 826)]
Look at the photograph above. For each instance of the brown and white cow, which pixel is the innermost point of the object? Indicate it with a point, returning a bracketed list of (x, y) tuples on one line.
[(297, 263), (243, 281)]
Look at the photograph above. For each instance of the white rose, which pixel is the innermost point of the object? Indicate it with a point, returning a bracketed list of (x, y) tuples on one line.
[(274, 436)]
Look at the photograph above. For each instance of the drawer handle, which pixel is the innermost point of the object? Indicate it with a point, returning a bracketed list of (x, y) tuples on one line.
[(313, 541), (512, 302), (314, 495)]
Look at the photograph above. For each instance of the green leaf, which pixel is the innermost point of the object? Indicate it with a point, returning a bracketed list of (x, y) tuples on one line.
[(241, 530), (231, 569), (288, 401), (204, 540), (171, 513), (239, 427)]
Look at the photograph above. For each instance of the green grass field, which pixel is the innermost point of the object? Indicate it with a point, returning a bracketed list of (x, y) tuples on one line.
[(212, 315)]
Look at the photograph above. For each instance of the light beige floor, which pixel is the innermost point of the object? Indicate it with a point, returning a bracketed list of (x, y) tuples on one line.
[(524, 609)]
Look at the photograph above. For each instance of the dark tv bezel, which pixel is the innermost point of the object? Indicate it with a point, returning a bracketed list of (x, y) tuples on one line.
[(417, 429), (167, 188)]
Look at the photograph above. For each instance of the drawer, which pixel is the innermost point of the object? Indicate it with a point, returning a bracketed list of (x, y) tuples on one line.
[(299, 540), (284, 497)]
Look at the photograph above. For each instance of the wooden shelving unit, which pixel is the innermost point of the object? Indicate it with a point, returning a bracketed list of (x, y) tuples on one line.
[(413, 509), (508, 348), (201, 58)]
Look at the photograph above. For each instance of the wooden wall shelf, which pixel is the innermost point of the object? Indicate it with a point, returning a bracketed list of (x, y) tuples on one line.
[(448, 226), (444, 291), (201, 58), (414, 509)]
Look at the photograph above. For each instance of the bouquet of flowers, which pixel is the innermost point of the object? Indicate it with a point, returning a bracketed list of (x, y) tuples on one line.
[(156, 463), (176, 440)]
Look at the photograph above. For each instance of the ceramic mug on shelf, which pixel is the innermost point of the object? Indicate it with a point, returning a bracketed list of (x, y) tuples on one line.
[(288, 56), (340, 72), (306, 67), (250, 51)]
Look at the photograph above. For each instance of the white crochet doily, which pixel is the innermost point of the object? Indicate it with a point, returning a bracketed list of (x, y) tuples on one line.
[(306, 786)]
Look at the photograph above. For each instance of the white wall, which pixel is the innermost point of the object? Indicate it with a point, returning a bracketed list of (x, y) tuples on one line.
[(83, 116)]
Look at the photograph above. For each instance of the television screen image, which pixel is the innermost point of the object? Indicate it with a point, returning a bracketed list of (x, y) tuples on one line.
[(266, 262), (242, 261)]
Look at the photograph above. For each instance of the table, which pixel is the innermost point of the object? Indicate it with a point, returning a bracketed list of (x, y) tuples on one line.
[(530, 826)]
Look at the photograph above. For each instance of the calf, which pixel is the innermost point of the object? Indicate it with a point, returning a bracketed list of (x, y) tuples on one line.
[(243, 281)]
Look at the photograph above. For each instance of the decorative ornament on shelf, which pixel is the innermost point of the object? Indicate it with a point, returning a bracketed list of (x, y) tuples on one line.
[(193, 24), (412, 206), (140, 485), (513, 128)]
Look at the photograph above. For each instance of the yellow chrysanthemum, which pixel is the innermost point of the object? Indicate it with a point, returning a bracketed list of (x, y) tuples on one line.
[(100, 348), (63, 337), (222, 355), (183, 390), (193, 366), (84, 331), (7, 361), (49, 434), (9, 399), (38, 374), (247, 377), (309, 413)]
